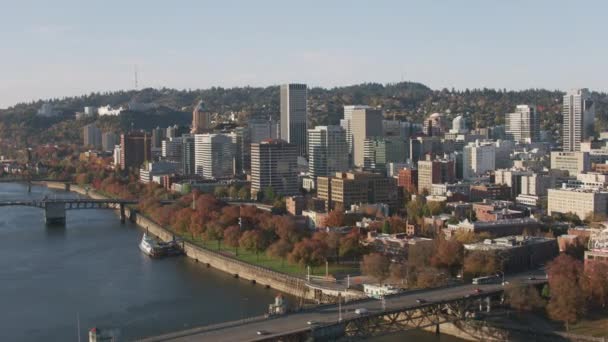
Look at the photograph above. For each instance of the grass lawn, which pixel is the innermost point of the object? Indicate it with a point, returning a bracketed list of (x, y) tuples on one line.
[(276, 263), (596, 326)]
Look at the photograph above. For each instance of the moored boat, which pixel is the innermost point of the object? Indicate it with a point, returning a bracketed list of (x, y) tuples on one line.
[(149, 246)]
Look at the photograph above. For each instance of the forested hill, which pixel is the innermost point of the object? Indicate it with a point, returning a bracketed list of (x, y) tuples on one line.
[(405, 100)]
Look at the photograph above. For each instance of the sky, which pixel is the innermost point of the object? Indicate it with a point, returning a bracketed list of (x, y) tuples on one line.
[(72, 47)]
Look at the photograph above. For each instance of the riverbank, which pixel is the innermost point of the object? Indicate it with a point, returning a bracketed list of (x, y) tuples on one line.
[(285, 283)]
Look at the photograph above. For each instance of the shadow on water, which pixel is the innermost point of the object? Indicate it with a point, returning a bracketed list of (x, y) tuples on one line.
[(55, 231)]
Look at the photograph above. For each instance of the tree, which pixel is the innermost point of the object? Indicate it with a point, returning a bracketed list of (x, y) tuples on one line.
[(567, 303), (221, 192), (269, 195), (214, 232), (596, 284), (309, 252), (431, 277), (244, 193), (252, 240), (232, 235), (280, 249), (386, 227), (233, 192), (523, 297), (479, 263), (376, 265), (403, 272), (335, 218), (333, 244), (448, 255), (350, 247)]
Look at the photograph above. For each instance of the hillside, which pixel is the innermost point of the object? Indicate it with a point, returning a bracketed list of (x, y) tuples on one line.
[(19, 125)]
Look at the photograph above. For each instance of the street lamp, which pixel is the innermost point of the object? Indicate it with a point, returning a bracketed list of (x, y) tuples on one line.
[(503, 276)]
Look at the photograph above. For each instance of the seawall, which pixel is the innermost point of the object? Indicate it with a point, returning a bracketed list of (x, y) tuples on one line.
[(286, 283)]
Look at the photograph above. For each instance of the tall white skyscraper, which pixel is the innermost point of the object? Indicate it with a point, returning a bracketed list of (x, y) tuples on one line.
[(346, 124), (294, 109), (478, 158), (214, 155), (523, 125), (579, 112), (327, 151)]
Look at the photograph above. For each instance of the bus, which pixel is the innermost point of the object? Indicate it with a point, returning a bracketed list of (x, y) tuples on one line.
[(486, 280)]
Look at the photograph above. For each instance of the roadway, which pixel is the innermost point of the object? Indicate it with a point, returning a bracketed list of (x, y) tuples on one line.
[(295, 322)]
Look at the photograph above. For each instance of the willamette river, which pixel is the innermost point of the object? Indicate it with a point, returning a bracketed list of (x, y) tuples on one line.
[(92, 271)]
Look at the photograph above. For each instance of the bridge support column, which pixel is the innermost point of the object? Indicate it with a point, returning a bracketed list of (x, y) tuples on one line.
[(54, 213), (437, 331), (122, 213), (66, 187), (29, 186)]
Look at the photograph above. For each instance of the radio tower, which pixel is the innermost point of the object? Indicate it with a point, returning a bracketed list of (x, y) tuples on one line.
[(135, 71)]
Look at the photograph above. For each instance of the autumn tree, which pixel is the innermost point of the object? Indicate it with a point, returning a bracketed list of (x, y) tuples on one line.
[(350, 247), (309, 252), (448, 255), (477, 263), (596, 284), (214, 232), (431, 277), (567, 303), (403, 272), (232, 235), (376, 265), (522, 297), (334, 218), (280, 249), (253, 241)]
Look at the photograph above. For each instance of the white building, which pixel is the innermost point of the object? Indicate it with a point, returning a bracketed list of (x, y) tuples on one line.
[(47, 110), (116, 156), (579, 113), (151, 170), (90, 111), (523, 125), (573, 162), (582, 202), (346, 123), (214, 155), (459, 125), (107, 110), (327, 151), (477, 159)]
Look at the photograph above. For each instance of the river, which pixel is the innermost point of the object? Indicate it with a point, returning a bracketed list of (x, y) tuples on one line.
[(91, 273)]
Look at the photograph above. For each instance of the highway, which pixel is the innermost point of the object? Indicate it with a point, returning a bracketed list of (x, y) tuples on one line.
[(277, 326)]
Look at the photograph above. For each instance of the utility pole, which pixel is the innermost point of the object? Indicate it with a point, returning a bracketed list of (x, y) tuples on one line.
[(339, 307), (307, 272)]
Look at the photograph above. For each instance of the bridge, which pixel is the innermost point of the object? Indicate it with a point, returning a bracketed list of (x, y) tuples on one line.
[(402, 312), (55, 209)]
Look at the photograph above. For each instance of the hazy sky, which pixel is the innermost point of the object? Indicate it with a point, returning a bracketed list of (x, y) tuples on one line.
[(62, 47)]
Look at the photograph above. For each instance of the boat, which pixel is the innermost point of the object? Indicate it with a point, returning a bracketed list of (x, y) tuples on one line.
[(149, 246), (154, 248)]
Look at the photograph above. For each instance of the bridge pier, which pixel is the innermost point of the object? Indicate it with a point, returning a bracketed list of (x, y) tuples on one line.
[(54, 213), (66, 187), (122, 213)]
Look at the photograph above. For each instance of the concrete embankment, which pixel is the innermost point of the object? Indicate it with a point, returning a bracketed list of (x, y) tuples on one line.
[(260, 275)]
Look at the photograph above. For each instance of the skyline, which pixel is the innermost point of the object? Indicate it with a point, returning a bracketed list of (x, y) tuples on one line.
[(65, 50)]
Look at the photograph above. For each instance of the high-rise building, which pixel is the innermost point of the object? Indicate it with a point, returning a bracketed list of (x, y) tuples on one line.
[(201, 119), (171, 149), (108, 141), (214, 155), (294, 109), (379, 151), (91, 136), (523, 125), (135, 148), (434, 125), (158, 135), (188, 155), (573, 162), (262, 129), (435, 171), (582, 202), (273, 162), (578, 112), (408, 179), (459, 125), (327, 151), (366, 123), (477, 159), (346, 123), (344, 189)]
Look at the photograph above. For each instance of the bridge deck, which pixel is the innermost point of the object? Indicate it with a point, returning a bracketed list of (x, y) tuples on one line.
[(297, 322)]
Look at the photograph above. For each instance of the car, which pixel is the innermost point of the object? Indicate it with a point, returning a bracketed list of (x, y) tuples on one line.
[(361, 311), (311, 322), (531, 278), (478, 291), (420, 301), (505, 283), (262, 332)]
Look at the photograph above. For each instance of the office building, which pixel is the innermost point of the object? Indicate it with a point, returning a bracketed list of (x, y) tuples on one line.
[(135, 149), (345, 189), (434, 125), (582, 202), (435, 172), (294, 115), (201, 119), (366, 123), (459, 125), (188, 155), (379, 151), (523, 125), (408, 179), (262, 129), (573, 162), (108, 141), (214, 155), (578, 112), (477, 159), (158, 135), (171, 149), (91, 136), (273, 162), (327, 151), (346, 123)]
